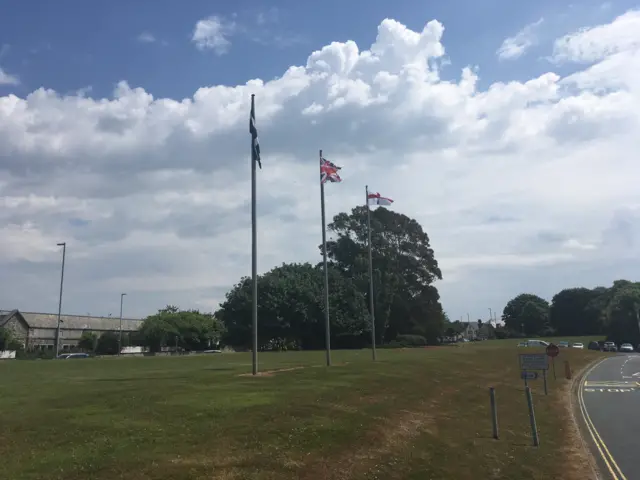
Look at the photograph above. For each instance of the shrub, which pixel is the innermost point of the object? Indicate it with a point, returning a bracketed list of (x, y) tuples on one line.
[(411, 340)]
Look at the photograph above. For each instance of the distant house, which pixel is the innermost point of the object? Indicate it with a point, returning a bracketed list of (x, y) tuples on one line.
[(471, 331), (38, 330)]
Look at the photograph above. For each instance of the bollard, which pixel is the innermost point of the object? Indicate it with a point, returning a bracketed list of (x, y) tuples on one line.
[(544, 376), (494, 411), (532, 418), (567, 369)]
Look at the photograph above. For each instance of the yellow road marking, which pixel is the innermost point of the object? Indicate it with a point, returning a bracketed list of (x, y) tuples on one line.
[(597, 440)]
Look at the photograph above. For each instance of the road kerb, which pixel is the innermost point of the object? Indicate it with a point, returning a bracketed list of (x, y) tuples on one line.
[(576, 414), (606, 458)]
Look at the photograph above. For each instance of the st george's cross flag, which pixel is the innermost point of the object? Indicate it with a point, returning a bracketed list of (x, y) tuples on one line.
[(376, 199), (329, 171), (255, 144)]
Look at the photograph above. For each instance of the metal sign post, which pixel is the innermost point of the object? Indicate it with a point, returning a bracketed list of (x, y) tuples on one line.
[(530, 363), (553, 351)]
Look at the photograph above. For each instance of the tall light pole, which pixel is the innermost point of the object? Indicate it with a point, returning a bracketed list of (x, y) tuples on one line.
[(64, 253), (120, 341), (490, 314)]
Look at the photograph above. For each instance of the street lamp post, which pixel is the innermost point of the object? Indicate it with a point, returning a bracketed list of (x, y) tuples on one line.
[(64, 253), (120, 340)]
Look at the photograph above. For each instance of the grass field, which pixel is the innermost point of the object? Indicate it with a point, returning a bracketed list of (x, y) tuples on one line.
[(414, 414)]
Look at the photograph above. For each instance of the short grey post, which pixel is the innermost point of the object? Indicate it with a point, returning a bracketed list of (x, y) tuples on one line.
[(494, 411), (532, 418), (544, 377)]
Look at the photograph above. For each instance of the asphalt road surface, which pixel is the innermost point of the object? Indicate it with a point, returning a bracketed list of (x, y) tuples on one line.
[(609, 398)]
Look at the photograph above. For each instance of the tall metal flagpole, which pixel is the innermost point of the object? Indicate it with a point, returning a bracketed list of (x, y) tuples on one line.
[(254, 247), (327, 333), (64, 252), (371, 302), (120, 339)]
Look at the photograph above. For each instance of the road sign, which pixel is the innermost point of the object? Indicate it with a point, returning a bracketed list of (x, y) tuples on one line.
[(553, 350), (529, 375), (534, 361)]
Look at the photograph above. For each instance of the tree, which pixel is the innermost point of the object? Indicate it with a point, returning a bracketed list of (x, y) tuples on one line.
[(569, 313), (291, 310), (624, 314), (8, 341), (88, 341), (404, 266), (188, 329), (527, 313), (107, 344)]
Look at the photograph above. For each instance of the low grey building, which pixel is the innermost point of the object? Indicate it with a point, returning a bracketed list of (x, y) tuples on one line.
[(38, 330)]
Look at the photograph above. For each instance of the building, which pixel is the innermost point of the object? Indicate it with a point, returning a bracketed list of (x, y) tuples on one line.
[(38, 330), (471, 331)]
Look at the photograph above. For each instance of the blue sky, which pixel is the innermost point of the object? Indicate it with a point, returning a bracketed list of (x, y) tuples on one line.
[(73, 44)]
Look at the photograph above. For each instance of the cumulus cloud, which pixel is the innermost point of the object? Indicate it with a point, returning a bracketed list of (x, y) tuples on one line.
[(516, 46), (6, 79), (597, 43), (213, 33), (521, 186)]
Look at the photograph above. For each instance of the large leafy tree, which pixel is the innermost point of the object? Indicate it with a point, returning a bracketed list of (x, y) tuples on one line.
[(291, 310), (569, 314), (527, 313), (624, 314), (404, 266), (188, 329)]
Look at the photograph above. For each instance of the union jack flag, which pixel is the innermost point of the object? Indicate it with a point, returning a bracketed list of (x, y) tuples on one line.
[(329, 171)]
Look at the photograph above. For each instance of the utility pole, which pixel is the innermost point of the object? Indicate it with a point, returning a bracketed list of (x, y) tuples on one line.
[(64, 253), (120, 340)]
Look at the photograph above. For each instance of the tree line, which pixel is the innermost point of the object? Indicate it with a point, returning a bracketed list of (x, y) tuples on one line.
[(291, 298), (613, 312)]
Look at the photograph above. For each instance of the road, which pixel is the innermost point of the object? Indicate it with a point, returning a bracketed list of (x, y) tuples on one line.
[(609, 398)]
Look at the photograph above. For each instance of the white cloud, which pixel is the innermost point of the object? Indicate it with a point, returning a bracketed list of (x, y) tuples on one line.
[(6, 79), (213, 34), (516, 46), (146, 37), (522, 186), (597, 43)]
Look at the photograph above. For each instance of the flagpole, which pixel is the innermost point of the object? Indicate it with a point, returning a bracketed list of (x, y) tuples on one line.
[(327, 334), (371, 302), (254, 256)]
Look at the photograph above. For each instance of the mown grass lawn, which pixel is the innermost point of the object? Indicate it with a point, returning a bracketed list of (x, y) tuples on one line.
[(414, 414)]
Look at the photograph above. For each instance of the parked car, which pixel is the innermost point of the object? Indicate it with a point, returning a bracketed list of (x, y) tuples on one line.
[(593, 345), (609, 347), (67, 356), (579, 345), (563, 344), (626, 347)]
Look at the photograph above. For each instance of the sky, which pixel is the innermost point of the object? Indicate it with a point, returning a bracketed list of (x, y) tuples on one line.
[(509, 130)]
